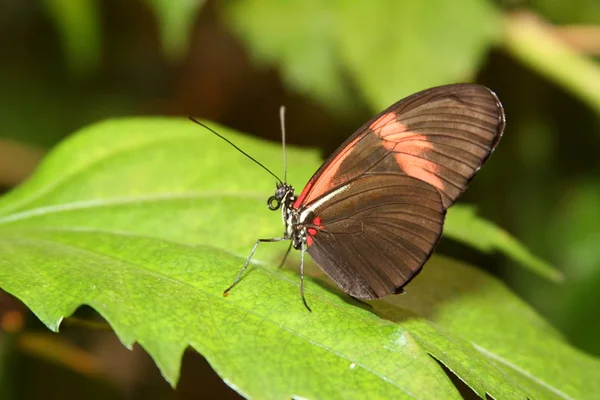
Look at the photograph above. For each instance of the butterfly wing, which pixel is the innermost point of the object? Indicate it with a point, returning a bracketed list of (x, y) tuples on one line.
[(376, 207), (377, 233), (441, 136)]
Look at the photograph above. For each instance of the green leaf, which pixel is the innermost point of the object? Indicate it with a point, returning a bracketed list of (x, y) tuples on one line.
[(481, 311), (576, 219), (175, 21), (396, 48), (535, 44), (574, 12), (305, 50), (463, 225), (78, 25), (389, 49), (148, 220)]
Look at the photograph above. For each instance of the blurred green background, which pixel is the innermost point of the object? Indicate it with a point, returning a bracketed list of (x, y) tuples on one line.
[(334, 64)]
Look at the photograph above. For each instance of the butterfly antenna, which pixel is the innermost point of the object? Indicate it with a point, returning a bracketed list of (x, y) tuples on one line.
[(282, 119), (234, 146)]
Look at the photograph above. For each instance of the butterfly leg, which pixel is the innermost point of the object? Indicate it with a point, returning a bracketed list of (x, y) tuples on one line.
[(287, 253), (241, 273), (303, 250)]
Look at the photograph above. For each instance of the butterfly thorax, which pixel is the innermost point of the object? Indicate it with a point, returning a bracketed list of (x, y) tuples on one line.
[(294, 229), (285, 197)]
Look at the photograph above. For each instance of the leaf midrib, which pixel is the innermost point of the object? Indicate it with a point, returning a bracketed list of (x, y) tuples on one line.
[(118, 201), (54, 185), (521, 371)]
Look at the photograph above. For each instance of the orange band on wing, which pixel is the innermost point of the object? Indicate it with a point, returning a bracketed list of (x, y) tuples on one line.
[(421, 169), (393, 131), (325, 182), (410, 149)]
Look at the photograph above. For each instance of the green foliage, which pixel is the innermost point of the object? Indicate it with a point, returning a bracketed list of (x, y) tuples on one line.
[(386, 50), (175, 20), (462, 224), (305, 50), (480, 310), (78, 24), (389, 49), (533, 43), (572, 12), (578, 219), (148, 220), (395, 48)]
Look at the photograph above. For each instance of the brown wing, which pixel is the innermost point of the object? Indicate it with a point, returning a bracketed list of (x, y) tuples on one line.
[(441, 136), (376, 232)]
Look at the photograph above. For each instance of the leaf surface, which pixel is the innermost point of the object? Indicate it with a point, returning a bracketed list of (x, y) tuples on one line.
[(149, 220)]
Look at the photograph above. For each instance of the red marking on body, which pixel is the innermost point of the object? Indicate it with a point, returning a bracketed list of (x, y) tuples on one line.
[(410, 156), (313, 231)]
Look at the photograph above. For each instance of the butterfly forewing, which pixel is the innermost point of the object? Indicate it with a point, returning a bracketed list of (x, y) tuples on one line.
[(441, 136), (376, 207)]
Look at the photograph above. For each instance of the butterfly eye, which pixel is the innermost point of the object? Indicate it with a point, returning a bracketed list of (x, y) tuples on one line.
[(273, 203)]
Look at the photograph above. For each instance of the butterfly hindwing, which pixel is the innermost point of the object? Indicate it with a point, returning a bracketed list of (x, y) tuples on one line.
[(376, 232)]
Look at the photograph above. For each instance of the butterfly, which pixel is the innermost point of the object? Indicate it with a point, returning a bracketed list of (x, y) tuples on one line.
[(372, 214)]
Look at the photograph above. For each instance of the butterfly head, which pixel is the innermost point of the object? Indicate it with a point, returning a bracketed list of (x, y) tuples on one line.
[(283, 192)]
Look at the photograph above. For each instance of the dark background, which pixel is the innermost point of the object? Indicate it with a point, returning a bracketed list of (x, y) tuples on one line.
[(543, 184)]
